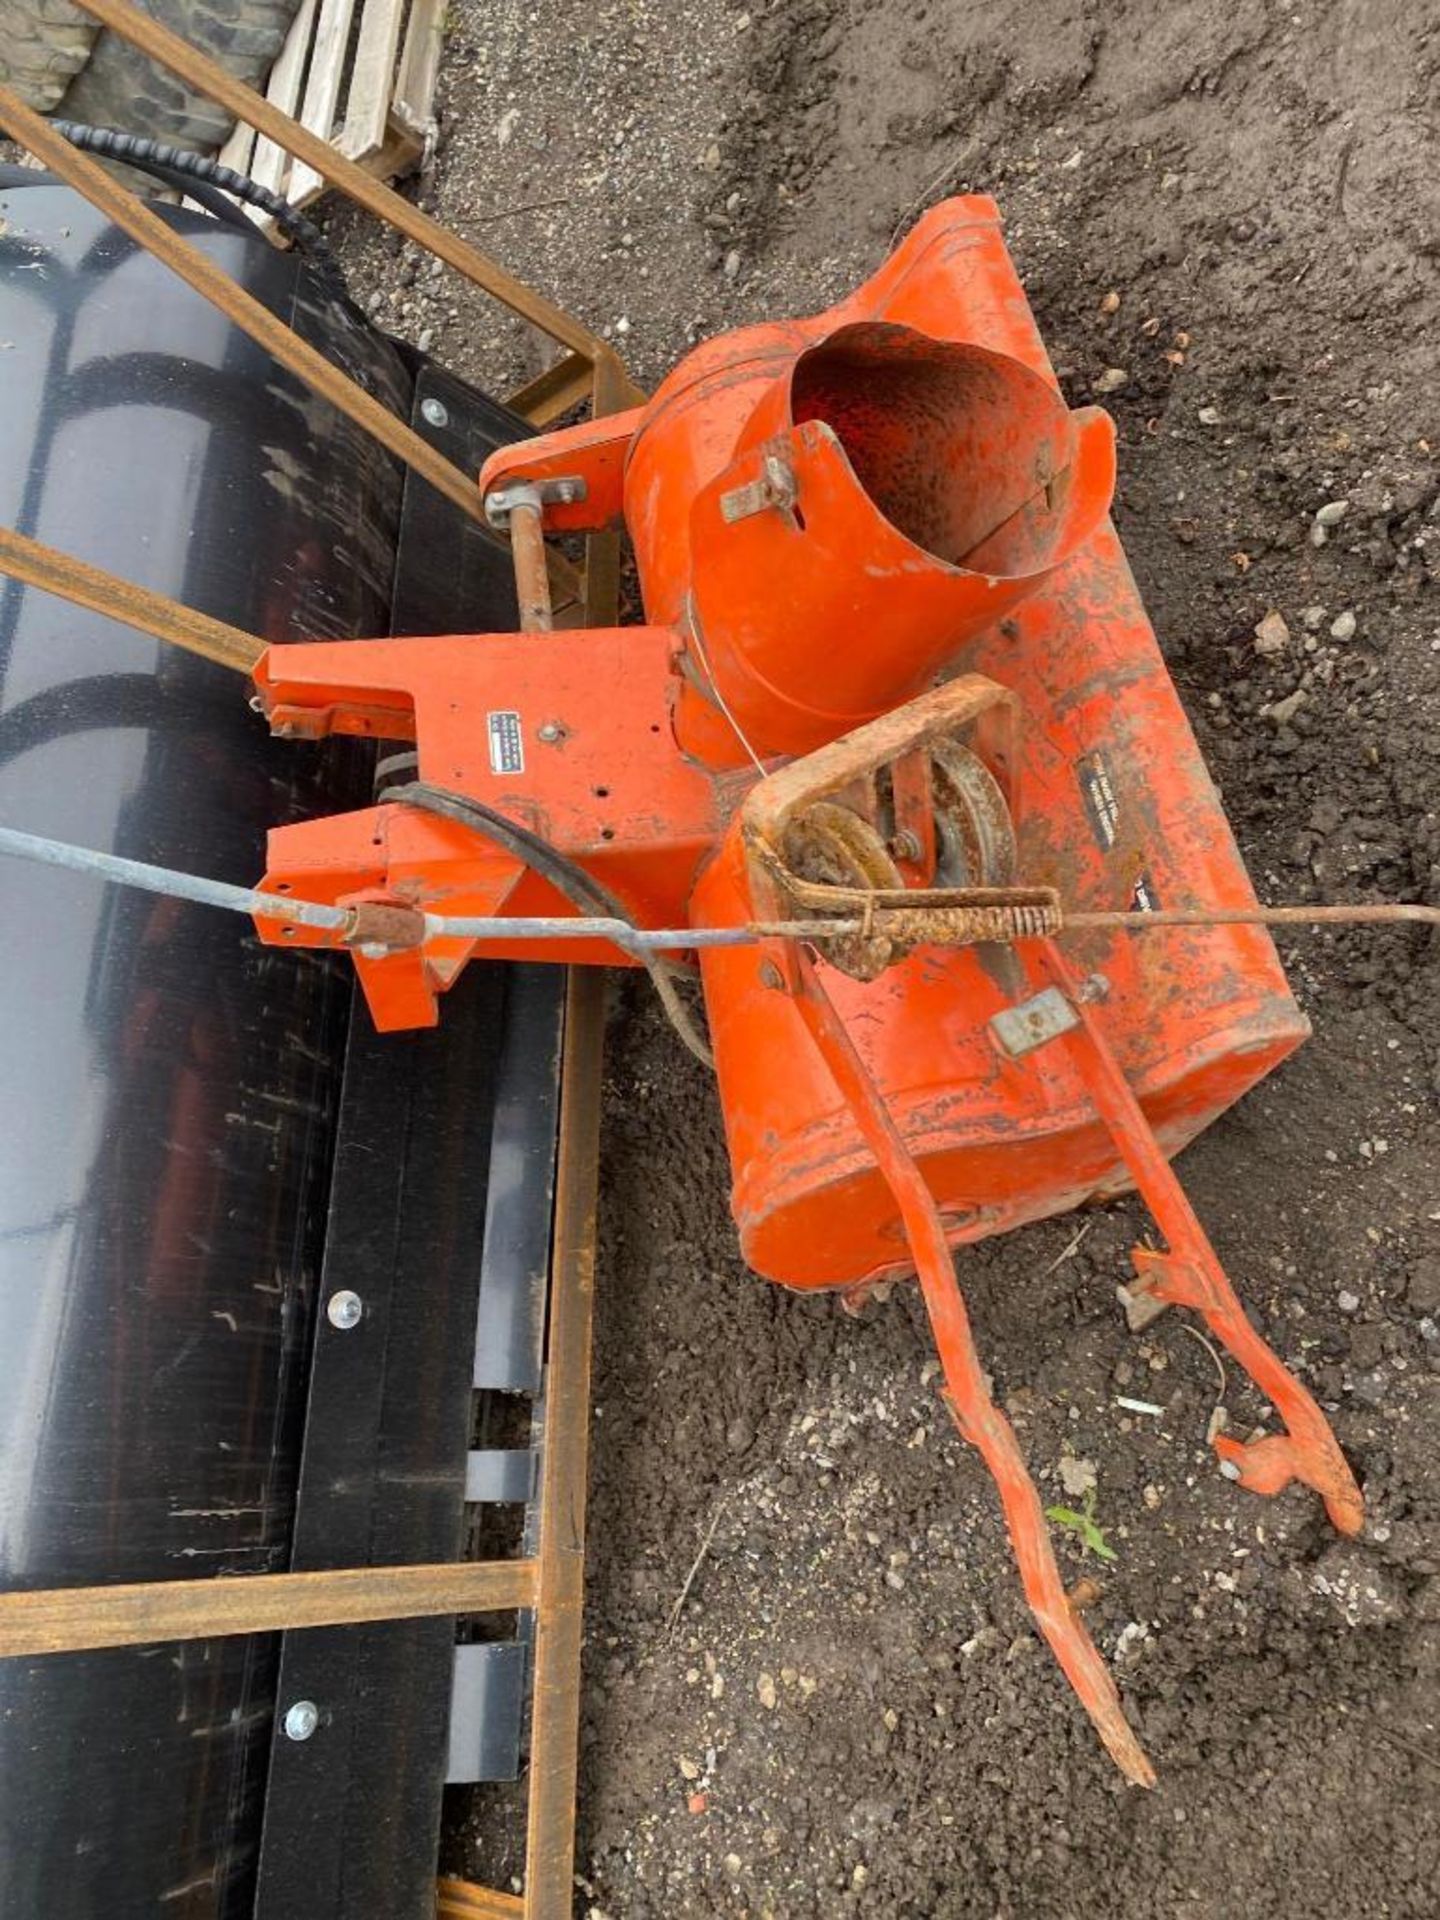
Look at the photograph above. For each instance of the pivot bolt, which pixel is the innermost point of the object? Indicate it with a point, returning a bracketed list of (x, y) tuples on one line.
[(301, 1720), (434, 413), (344, 1309), (551, 731)]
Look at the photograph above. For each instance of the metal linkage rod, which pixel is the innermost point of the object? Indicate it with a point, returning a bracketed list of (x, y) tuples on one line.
[(641, 940), (177, 886), (1386, 913)]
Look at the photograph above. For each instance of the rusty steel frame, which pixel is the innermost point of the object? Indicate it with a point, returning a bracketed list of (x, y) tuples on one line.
[(70, 1619), (544, 398), (589, 369)]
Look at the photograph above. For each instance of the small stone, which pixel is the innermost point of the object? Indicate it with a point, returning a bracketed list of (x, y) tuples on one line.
[(1111, 302), (1272, 635), (688, 1769), (710, 159), (1342, 628), (1348, 1302), (1357, 1586), (1422, 1289), (891, 1719), (765, 1692), (1318, 535), (1284, 711), (1332, 513), (1151, 1495), (1110, 381), (1209, 416), (733, 1864), (740, 1434), (1077, 1477), (732, 264), (859, 1875), (1314, 618)]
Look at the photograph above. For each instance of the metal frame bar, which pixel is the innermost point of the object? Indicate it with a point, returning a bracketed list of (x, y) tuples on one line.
[(147, 1612), (590, 367), (552, 1583), (207, 77), (555, 1722)]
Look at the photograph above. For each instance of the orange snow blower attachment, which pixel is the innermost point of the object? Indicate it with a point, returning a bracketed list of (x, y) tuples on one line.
[(897, 757)]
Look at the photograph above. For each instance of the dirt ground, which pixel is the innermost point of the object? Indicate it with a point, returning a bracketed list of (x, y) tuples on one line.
[(854, 1694)]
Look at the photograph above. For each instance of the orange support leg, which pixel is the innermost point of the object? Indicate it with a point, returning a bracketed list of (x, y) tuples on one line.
[(979, 1420), (1190, 1275)]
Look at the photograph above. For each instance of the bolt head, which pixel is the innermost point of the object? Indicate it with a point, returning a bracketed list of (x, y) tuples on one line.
[(770, 975), (550, 732), (301, 1720), (434, 413), (344, 1309)]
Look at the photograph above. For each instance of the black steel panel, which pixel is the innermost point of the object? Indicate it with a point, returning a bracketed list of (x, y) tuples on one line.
[(510, 1325), (443, 1136), (169, 1083)]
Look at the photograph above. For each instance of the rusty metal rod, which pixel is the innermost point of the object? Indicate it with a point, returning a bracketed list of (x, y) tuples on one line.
[(531, 562), (1360, 915), (559, 1612), (129, 213), (85, 586), (643, 940), (143, 1613), (352, 180)]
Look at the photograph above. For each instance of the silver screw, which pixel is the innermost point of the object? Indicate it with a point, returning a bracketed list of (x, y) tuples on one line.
[(302, 1720), (550, 732), (435, 413), (343, 1309)]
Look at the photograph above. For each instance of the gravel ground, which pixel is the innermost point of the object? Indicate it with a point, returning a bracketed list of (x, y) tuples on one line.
[(1227, 223)]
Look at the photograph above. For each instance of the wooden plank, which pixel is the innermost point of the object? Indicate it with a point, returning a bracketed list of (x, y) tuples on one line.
[(367, 103), (414, 101), (271, 165), (559, 1615), (238, 152), (459, 1900), (72, 1619), (322, 92), (211, 79)]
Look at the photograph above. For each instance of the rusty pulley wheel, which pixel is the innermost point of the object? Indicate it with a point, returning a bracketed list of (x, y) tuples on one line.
[(834, 847), (974, 834)]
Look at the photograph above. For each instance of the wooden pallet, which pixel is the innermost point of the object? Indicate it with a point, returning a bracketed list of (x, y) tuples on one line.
[(366, 84)]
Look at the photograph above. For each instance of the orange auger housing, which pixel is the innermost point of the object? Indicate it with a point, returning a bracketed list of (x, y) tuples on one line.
[(894, 658)]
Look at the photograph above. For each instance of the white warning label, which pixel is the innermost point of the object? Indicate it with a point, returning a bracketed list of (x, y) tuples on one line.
[(507, 748)]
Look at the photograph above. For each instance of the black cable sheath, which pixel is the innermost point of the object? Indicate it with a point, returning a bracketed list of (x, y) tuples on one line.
[(150, 156), (581, 889)]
